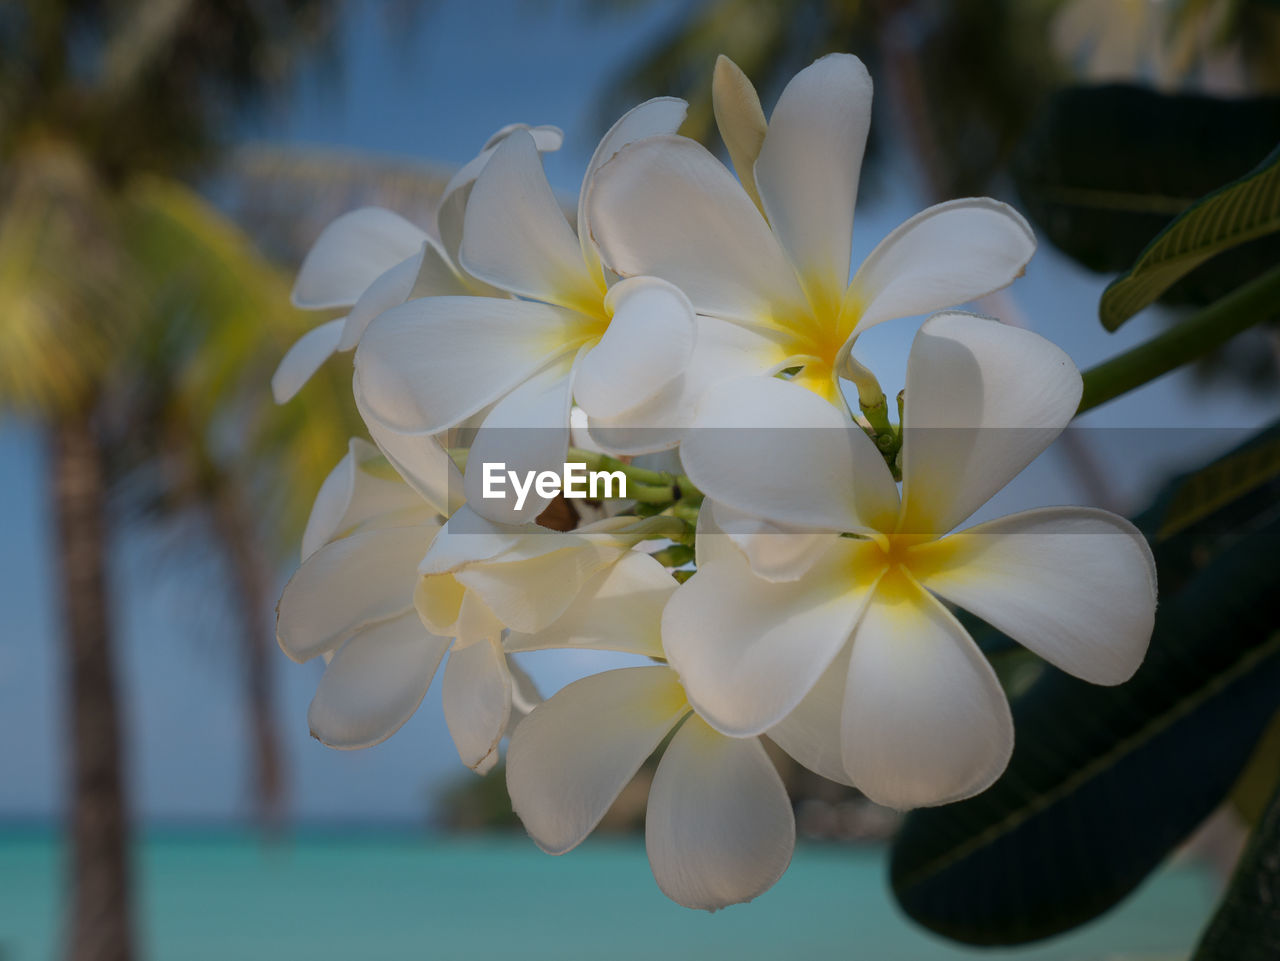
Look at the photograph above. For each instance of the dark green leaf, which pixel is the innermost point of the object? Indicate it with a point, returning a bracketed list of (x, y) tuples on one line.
[(1241, 211)]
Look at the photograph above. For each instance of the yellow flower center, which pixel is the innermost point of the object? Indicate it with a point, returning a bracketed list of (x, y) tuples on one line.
[(812, 336)]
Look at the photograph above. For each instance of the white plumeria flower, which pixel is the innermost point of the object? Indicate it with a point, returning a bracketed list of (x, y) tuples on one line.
[(360, 601), (719, 829), (371, 259), (766, 261), (837, 645), (433, 363)]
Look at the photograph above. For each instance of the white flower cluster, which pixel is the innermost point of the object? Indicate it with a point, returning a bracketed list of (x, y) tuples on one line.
[(694, 310)]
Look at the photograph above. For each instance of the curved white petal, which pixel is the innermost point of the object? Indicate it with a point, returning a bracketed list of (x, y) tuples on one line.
[(666, 207), (431, 363), (468, 537), (722, 351), (618, 609), (354, 494), (304, 358), (646, 346), (374, 683), (348, 585), (350, 254), (527, 431), (774, 552), (944, 256), (821, 473), (740, 120), (808, 168), (983, 400), (419, 459), (925, 721), (661, 115), (477, 702), (719, 828), (811, 733), (525, 695), (572, 756), (516, 236), (1075, 585), (748, 650)]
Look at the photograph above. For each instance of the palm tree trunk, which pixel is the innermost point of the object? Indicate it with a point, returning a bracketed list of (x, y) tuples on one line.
[(100, 926)]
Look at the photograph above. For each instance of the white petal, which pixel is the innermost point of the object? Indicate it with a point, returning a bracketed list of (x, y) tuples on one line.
[(350, 254), (646, 346), (719, 828), (740, 120), (516, 236), (618, 609), (374, 683), (821, 473), (348, 585), (477, 701), (431, 363), (569, 759), (774, 552), (662, 115), (983, 400), (944, 256), (666, 207), (468, 537), (525, 695), (353, 496), (807, 171), (304, 358), (748, 650), (527, 431), (925, 721), (811, 733), (1075, 585)]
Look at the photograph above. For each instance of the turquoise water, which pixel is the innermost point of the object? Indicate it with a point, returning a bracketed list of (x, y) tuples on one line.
[(222, 897)]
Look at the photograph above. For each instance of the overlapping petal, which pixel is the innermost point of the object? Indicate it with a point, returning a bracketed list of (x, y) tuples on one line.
[(350, 254), (740, 120), (1075, 585), (304, 358), (719, 828), (811, 733), (476, 692), (983, 400), (925, 721), (570, 758)]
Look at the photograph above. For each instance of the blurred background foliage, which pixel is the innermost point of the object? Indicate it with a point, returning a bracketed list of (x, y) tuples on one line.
[(144, 272)]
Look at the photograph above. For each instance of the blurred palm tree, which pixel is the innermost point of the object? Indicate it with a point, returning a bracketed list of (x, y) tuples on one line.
[(140, 326)]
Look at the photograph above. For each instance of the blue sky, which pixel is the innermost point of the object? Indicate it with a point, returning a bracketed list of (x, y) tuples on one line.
[(435, 92)]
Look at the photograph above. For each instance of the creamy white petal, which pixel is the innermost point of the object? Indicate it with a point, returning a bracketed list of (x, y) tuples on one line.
[(944, 256), (822, 472), (468, 537), (525, 695), (808, 168), (740, 120), (811, 733), (1075, 585), (350, 254), (647, 345), (719, 828), (722, 351), (356, 493), (477, 701), (516, 236), (661, 115), (374, 683), (348, 585), (570, 758), (304, 358), (617, 609), (748, 650), (925, 721), (419, 459), (774, 552), (431, 363), (477, 623), (528, 431), (666, 207), (983, 400)]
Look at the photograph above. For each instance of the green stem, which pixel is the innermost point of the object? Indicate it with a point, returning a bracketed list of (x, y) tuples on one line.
[(1213, 326)]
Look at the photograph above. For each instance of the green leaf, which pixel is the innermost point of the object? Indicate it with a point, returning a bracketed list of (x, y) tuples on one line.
[(1246, 926), (1243, 210), (1105, 168), (1105, 782)]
